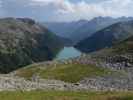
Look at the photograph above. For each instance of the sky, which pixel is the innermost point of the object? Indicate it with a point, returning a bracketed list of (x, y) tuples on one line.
[(65, 10)]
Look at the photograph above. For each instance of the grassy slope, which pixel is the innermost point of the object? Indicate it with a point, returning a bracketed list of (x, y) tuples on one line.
[(124, 47), (56, 95), (68, 73)]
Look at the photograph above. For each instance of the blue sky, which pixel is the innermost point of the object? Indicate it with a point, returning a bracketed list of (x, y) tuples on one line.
[(65, 10)]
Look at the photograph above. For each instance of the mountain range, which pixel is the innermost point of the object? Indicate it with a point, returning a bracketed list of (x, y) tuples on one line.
[(79, 30)]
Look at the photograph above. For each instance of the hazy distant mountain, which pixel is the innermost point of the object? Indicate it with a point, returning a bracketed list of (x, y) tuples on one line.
[(107, 37), (23, 41), (64, 29), (77, 31), (95, 25)]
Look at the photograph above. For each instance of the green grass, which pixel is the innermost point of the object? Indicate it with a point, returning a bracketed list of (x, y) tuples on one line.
[(68, 73), (65, 95), (121, 48)]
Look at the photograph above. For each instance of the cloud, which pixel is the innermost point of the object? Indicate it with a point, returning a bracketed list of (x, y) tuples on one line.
[(65, 10), (58, 5)]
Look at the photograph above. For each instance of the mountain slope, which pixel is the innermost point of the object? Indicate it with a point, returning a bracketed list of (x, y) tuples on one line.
[(107, 37), (124, 47), (23, 41)]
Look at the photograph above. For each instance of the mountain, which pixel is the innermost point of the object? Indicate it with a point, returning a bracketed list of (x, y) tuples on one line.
[(79, 30), (107, 37), (64, 29), (24, 41), (65, 41), (95, 25)]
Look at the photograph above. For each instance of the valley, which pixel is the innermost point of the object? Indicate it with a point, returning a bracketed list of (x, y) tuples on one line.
[(34, 60), (66, 50)]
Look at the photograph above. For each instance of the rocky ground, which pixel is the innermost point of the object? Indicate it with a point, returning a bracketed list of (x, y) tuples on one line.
[(12, 83), (108, 82)]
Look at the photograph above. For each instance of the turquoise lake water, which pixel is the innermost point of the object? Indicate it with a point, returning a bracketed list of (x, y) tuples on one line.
[(68, 52)]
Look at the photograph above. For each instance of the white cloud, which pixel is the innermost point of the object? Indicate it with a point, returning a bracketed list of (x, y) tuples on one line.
[(67, 10), (61, 6), (45, 2)]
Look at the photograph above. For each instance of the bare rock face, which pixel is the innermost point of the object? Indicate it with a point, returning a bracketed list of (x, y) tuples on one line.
[(23, 41)]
